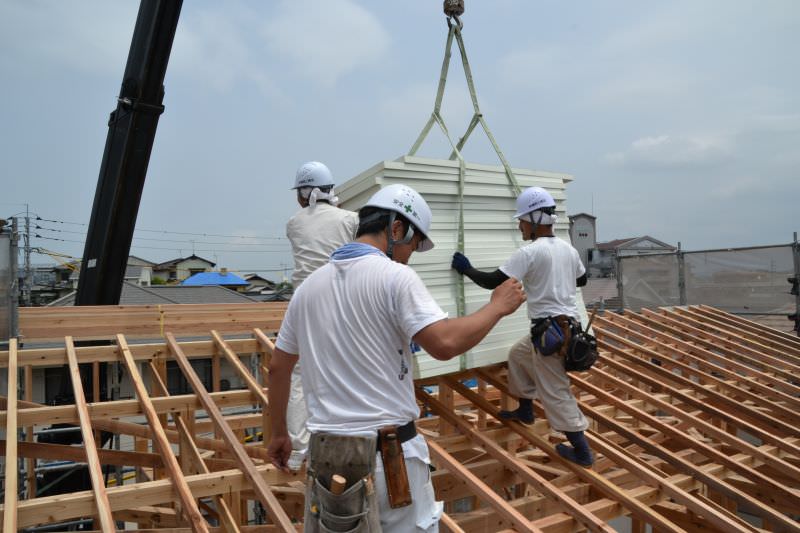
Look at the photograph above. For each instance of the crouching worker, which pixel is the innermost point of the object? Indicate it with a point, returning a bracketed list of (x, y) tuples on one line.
[(350, 326), (551, 271)]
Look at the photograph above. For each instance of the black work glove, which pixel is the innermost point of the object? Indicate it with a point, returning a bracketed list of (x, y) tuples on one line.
[(460, 263)]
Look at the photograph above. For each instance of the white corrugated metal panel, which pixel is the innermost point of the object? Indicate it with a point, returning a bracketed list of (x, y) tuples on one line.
[(490, 236)]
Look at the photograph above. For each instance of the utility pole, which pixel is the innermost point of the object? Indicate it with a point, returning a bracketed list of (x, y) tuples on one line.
[(28, 286)]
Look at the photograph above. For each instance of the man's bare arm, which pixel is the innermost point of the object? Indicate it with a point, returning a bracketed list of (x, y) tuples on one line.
[(448, 338), (280, 377)]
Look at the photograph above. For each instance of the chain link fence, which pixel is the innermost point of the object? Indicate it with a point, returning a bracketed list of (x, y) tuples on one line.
[(744, 281)]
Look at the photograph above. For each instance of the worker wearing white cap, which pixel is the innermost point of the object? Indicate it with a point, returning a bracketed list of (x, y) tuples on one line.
[(350, 326), (315, 231), (551, 271)]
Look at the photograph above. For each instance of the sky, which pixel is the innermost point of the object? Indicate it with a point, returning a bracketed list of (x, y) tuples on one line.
[(679, 120)]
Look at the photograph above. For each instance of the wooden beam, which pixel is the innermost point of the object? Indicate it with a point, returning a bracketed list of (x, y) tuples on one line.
[(189, 449), (707, 409), (746, 500), (700, 367), (92, 460), (188, 503), (248, 379), (200, 466), (612, 491), (485, 493), (708, 451), (62, 507), (11, 481), (265, 496), (512, 463), (63, 452), (66, 414), (708, 363), (48, 357), (30, 463), (144, 321)]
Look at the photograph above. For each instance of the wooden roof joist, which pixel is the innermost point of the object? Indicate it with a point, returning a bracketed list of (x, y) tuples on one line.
[(694, 417)]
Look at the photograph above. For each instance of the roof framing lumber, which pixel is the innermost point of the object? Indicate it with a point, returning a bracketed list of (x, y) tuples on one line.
[(700, 367), (189, 448), (508, 461), (708, 409), (482, 491), (635, 506), (12, 480), (736, 347), (188, 503), (694, 417), (776, 339), (265, 496), (744, 499), (783, 357), (93, 461)]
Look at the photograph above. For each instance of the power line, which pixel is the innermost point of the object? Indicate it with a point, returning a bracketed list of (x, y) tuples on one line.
[(173, 232), (226, 250), (189, 242)]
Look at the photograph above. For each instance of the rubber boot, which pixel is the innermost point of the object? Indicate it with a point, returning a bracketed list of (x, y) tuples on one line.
[(523, 413), (579, 452)]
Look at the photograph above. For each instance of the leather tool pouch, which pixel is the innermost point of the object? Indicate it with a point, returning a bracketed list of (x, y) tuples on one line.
[(356, 508), (394, 466), (582, 351)]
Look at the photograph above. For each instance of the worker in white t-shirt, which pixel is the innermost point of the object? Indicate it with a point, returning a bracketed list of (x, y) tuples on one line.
[(315, 231), (351, 325), (551, 271)]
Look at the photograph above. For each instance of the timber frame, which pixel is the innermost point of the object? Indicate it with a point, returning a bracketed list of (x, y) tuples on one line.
[(694, 417)]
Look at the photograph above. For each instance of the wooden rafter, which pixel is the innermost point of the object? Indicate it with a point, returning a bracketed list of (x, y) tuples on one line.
[(262, 490), (670, 402), (514, 517), (508, 460), (11, 481), (188, 503), (188, 447), (93, 461), (612, 491)]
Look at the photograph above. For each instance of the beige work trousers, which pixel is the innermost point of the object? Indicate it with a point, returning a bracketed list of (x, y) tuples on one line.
[(297, 414), (532, 375)]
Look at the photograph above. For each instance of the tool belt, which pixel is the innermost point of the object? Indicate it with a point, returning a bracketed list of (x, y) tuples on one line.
[(563, 335), (355, 508), (390, 446)]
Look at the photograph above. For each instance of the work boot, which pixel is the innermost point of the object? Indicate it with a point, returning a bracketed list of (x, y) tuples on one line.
[(523, 413), (579, 453)]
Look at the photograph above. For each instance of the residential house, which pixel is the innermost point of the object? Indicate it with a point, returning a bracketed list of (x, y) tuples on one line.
[(181, 268), (257, 284), (139, 271), (222, 278)]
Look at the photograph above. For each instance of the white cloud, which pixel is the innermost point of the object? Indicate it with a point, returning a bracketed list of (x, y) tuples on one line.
[(672, 151), (325, 40), (210, 45), (61, 34)]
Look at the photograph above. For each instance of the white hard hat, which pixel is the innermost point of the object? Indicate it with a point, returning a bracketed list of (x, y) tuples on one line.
[(408, 202), (532, 199), (313, 174)]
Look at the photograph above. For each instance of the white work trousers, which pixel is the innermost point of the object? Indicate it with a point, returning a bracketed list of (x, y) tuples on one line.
[(297, 414), (424, 512), (531, 374)]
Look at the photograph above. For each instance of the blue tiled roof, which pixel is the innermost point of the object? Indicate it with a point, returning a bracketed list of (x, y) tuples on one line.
[(213, 278)]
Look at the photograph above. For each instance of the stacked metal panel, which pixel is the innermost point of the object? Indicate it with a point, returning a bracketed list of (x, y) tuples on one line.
[(490, 236)]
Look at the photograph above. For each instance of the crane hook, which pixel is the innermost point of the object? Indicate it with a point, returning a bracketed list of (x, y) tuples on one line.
[(453, 9)]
